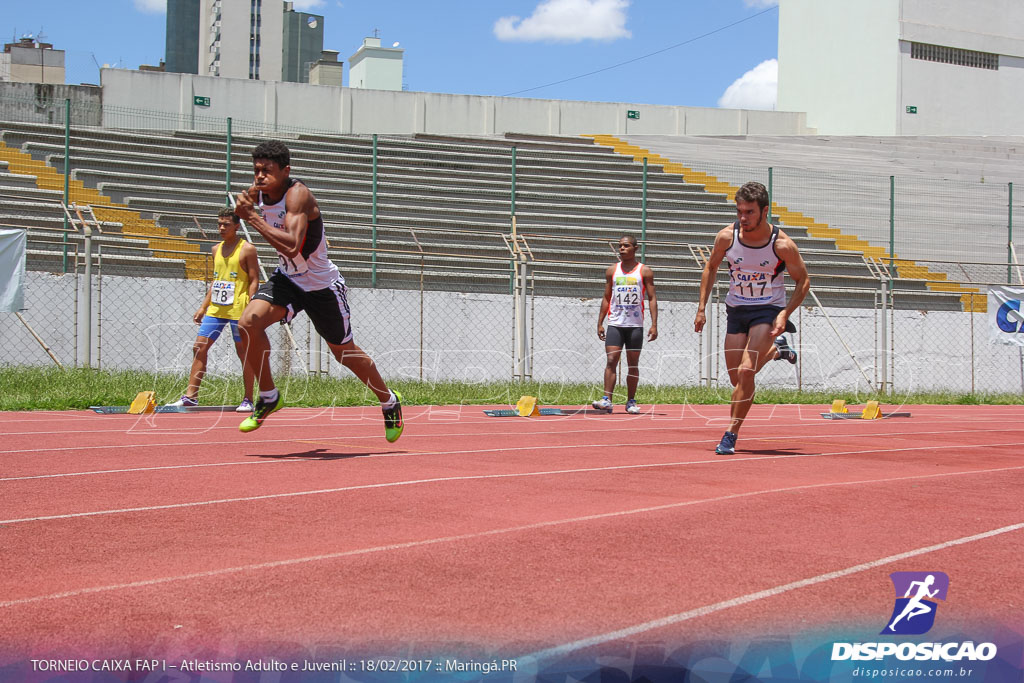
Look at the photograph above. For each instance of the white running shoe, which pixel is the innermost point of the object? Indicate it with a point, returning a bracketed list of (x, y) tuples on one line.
[(632, 408), (604, 403), (184, 402), (245, 406)]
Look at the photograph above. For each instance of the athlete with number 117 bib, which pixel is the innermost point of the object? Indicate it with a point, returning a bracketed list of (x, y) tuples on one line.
[(756, 310)]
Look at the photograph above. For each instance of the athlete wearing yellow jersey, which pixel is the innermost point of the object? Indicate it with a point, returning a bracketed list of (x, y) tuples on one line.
[(626, 284), (236, 277)]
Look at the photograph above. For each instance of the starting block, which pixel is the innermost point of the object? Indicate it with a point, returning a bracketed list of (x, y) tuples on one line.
[(526, 406), (871, 411), (145, 402)]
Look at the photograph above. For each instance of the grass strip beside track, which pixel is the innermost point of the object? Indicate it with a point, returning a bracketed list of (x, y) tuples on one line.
[(35, 388)]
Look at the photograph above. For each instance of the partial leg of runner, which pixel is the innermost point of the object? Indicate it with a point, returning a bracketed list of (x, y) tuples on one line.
[(256, 318), (743, 363), (363, 367), (632, 380), (612, 355)]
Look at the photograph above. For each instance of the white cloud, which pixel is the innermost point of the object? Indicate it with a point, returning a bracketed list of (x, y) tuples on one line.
[(304, 5), (761, 3), (151, 6), (756, 89), (567, 21)]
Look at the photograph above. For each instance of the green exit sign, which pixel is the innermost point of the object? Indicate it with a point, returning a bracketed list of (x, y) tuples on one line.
[(632, 114), (911, 110), (201, 101)]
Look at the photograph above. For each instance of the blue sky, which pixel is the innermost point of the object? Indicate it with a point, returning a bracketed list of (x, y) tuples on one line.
[(483, 47)]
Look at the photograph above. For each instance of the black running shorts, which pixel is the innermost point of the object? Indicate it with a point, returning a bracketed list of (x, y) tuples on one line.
[(629, 338), (739, 319), (327, 308)]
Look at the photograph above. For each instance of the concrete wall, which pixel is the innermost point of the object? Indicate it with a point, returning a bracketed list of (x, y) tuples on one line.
[(848, 66), (283, 106), (469, 337), (960, 100), (837, 62), (37, 103)]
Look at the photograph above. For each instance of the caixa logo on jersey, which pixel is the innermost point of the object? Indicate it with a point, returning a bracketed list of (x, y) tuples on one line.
[(916, 605)]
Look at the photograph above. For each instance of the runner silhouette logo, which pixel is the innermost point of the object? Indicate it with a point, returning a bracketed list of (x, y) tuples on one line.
[(917, 594)]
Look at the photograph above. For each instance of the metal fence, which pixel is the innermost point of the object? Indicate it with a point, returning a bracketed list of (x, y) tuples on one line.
[(433, 328)]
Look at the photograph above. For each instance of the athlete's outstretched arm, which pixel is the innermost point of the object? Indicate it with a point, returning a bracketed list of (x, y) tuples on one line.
[(788, 252), (605, 302), (723, 240), (652, 296)]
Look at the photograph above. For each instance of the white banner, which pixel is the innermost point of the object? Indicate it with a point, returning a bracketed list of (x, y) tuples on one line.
[(12, 270), (1006, 315)]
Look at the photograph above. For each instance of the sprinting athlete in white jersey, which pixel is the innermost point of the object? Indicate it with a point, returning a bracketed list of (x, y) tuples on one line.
[(289, 219), (756, 309), (626, 284)]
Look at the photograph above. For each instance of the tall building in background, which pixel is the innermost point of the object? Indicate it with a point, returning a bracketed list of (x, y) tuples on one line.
[(303, 44), (241, 38), (253, 39), (181, 54), (32, 61)]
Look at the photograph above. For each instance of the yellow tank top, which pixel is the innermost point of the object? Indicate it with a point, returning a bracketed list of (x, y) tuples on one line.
[(230, 292)]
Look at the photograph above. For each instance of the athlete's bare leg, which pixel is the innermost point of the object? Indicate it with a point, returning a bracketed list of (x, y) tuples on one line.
[(612, 353), (256, 318), (363, 367), (200, 354), (248, 378), (633, 375), (757, 351)]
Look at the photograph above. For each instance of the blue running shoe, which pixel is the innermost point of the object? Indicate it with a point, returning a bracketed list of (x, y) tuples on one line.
[(727, 446), (786, 351)]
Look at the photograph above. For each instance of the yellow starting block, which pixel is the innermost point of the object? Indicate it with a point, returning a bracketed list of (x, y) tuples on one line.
[(527, 406), (871, 411), (145, 402)]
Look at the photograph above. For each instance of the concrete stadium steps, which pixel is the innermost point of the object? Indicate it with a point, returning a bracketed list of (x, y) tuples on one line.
[(47, 178), (111, 255), (573, 188), (786, 216), (128, 266)]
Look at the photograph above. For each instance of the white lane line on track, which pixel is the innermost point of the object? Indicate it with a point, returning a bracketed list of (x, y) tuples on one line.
[(462, 452), (704, 611), (472, 477), (626, 423), (531, 527), (306, 439)]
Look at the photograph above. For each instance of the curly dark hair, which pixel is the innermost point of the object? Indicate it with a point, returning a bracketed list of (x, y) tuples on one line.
[(753, 192), (273, 150)]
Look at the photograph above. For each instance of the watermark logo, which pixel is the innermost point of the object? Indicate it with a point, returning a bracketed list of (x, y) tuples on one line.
[(917, 594)]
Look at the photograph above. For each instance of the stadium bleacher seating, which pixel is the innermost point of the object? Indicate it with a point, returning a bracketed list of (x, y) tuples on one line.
[(443, 204)]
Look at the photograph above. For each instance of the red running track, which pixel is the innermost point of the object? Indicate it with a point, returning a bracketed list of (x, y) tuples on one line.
[(125, 534)]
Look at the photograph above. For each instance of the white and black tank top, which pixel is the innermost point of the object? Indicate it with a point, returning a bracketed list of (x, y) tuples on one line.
[(755, 273), (310, 269)]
